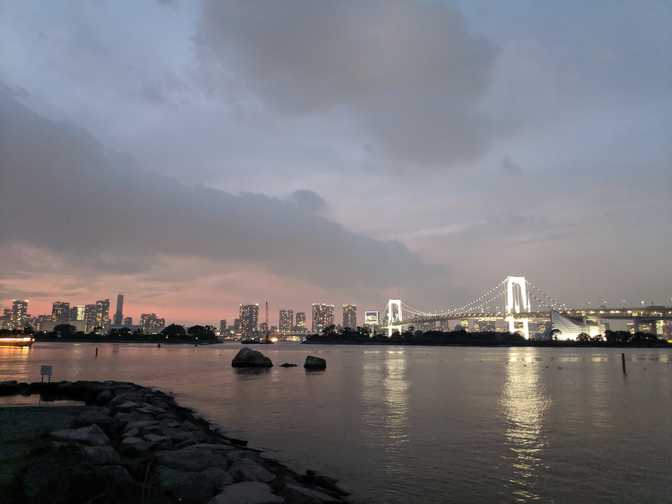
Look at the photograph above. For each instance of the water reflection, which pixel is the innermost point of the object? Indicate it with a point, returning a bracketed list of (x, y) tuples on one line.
[(395, 390), (14, 362), (524, 403)]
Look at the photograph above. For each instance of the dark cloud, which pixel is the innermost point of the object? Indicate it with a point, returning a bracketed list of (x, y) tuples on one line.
[(62, 192), (409, 72)]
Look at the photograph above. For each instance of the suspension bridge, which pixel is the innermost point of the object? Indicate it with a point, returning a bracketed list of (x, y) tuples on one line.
[(517, 302)]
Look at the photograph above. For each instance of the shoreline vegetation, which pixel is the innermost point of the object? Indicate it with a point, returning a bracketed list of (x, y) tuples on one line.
[(129, 443), (205, 335)]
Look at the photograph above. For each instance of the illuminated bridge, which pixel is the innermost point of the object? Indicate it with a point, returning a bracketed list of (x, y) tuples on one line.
[(517, 302)]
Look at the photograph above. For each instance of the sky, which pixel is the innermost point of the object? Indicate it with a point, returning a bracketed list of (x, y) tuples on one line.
[(195, 155)]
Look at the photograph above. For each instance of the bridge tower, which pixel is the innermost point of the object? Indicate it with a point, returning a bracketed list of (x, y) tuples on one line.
[(517, 301), (393, 316)]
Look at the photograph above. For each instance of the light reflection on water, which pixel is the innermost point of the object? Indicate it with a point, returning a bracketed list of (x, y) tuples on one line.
[(418, 424), (524, 402)]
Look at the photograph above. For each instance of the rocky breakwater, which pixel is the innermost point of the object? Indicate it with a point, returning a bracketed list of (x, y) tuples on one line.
[(135, 444)]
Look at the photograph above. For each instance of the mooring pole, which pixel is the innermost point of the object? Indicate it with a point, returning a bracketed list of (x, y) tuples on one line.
[(625, 372)]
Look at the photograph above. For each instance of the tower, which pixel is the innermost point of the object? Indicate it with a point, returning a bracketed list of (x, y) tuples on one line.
[(393, 316), (517, 301)]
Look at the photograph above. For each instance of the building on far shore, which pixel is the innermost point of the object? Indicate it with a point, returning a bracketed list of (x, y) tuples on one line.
[(323, 316), (150, 323), (286, 321), (249, 320), (350, 316)]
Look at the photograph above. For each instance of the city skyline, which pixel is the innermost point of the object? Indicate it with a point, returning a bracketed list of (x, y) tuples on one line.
[(412, 150)]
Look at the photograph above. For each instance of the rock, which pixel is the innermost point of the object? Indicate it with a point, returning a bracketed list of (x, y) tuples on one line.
[(308, 494), (91, 417), (186, 487), (248, 470), (158, 441), (313, 362), (141, 425), (287, 364), (102, 455), (133, 446), (127, 406), (247, 492), (104, 396), (219, 477), (248, 358), (91, 435), (192, 458)]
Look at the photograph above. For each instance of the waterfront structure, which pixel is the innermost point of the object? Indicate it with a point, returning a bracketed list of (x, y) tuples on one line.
[(249, 320), (60, 312), (20, 316), (323, 316), (286, 321), (90, 317), (103, 314), (119, 313), (350, 316), (150, 323), (300, 321)]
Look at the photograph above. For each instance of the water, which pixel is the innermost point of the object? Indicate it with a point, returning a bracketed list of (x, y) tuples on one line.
[(430, 425)]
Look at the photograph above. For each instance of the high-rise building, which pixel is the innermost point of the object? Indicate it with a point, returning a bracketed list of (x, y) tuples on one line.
[(222, 327), (286, 321), (119, 314), (60, 312), (90, 317), (300, 321), (236, 326), (323, 316), (103, 314), (128, 321), (80, 308), (19, 313), (6, 318), (350, 316), (249, 319), (150, 323)]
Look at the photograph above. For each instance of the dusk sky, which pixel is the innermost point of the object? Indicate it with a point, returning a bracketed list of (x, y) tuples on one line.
[(197, 155)]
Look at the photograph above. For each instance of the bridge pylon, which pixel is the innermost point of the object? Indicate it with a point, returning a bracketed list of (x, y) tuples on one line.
[(517, 301), (393, 316)]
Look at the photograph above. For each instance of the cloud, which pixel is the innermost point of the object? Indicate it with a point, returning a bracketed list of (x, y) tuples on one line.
[(63, 192), (411, 73)]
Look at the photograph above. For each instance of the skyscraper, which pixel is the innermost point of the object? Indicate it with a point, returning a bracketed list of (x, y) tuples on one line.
[(150, 323), (19, 313), (286, 321), (60, 312), (128, 321), (300, 321), (90, 317), (350, 316), (119, 314), (323, 316), (103, 314), (249, 319), (222, 327)]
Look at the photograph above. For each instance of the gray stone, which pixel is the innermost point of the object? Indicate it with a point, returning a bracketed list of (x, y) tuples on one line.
[(313, 362), (127, 406), (102, 455), (248, 470), (310, 494), (141, 425), (192, 458), (186, 486), (247, 492), (218, 476), (247, 357), (90, 417), (91, 435), (133, 446), (157, 441)]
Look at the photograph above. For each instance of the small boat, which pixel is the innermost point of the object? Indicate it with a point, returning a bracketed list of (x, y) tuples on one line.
[(20, 341)]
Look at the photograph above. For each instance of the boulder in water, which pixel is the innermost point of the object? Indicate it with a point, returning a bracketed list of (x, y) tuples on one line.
[(313, 362), (249, 358)]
